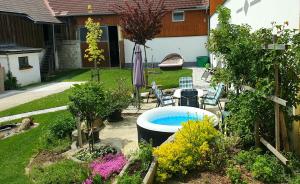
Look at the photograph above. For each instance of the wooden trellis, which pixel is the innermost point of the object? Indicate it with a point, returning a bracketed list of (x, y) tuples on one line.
[(280, 126)]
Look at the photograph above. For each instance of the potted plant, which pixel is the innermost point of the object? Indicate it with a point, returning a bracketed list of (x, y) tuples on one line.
[(89, 103), (119, 99)]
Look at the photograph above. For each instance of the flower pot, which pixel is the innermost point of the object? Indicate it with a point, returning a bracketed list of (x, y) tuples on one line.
[(115, 116), (95, 135)]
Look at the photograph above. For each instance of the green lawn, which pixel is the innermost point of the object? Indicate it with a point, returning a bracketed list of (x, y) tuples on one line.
[(169, 79), (16, 151)]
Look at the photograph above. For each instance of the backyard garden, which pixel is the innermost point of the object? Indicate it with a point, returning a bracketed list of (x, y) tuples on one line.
[(251, 142)]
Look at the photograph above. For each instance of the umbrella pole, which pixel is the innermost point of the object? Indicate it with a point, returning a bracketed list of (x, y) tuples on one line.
[(138, 98)]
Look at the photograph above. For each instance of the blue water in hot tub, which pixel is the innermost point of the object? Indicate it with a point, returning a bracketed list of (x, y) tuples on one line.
[(174, 120)]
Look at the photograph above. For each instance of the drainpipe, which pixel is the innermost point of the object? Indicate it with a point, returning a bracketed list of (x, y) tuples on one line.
[(54, 48), (8, 63)]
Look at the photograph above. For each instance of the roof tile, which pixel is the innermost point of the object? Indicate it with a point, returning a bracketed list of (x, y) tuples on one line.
[(79, 7)]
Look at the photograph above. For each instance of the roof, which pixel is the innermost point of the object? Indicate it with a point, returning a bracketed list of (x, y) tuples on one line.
[(104, 7), (12, 49), (36, 10)]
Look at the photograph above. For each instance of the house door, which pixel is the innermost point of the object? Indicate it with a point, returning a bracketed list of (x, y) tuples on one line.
[(114, 46)]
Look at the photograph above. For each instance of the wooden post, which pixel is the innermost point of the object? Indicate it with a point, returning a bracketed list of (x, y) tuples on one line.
[(274, 151), (284, 135), (78, 123), (257, 136), (277, 110)]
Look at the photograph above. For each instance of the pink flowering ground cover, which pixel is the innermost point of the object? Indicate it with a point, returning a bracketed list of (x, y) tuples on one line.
[(106, 166)]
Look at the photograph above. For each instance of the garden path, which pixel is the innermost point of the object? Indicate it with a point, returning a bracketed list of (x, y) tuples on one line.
[(9, 100), (28, 114), (197, 81)]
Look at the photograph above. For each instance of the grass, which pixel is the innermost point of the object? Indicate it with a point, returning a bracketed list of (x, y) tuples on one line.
[(168, 79), (16, 151)]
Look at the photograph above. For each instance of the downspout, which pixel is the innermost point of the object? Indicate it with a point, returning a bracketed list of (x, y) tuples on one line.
[(8, 63), (55, 62)]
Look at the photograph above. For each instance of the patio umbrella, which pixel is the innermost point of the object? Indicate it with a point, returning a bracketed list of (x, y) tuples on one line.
[(138, 73)]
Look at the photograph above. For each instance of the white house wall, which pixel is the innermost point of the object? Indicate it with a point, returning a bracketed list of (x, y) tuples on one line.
[(24, 77), (260, 13), (188, 47)]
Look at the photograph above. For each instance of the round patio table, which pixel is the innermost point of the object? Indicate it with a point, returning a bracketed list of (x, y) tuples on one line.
[(177, 93)]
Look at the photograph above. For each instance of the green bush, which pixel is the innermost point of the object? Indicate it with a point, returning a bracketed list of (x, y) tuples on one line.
[(247, 158), (295, 180), (65, 171), (246, 109), (189, 150), (222, 151), (57, 136), (131, 179), (11, 82), (266, 168), (120, 97), (235, 175), (62, 127)]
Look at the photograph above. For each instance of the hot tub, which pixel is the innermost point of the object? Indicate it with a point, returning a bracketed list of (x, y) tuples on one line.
[(160, 123)]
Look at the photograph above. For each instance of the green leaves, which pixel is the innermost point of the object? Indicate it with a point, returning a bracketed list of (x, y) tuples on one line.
[(89, 101), (93, 52)]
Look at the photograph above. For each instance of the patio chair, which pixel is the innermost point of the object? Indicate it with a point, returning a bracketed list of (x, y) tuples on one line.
[(213, 97), (186, 83), (152, 89), (163, 100), (189, 98)]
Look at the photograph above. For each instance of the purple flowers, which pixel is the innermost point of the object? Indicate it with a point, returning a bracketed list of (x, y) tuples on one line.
[(107, 166)]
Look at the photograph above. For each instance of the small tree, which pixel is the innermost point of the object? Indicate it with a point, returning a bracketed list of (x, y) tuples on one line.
[(93, 53), (89, 103), (141, 21)]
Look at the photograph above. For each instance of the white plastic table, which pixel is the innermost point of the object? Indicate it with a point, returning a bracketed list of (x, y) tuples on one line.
[(177, 93)]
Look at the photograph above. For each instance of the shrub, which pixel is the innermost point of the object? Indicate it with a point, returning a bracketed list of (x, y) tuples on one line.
[(234, 175), (247, 158), (131, 179), (120, 97), (65, 171), (57, 136), (222, 151), (86, 155), (62, 127), (295, 180), (11, 82), (245, 110), (266, 168), (145, 154), (89, 102), (189, 150)]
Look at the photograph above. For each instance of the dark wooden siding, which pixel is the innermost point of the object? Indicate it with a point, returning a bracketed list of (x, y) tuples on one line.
[(213, 4), (20, 31), (195, 24)]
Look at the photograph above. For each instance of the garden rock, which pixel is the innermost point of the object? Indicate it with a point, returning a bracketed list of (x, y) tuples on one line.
[(26, 124)]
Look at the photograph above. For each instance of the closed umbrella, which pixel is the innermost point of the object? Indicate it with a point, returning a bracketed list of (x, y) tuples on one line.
[(138, 72)]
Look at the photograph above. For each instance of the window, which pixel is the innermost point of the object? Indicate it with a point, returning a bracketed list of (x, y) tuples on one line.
[(178, 16), (83, 32), (23, 63)]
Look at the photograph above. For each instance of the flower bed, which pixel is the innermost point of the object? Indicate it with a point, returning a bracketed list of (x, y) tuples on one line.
[(139, 168), (86, 156), (105, 168)]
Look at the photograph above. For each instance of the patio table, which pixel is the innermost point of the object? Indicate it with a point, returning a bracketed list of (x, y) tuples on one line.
[(177, 93)]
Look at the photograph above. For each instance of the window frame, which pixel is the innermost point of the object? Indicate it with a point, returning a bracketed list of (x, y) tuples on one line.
[(78, 36), (26, 60), (178, 11)]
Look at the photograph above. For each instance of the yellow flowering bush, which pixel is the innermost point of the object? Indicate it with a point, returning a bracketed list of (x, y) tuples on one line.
[(189, 150)]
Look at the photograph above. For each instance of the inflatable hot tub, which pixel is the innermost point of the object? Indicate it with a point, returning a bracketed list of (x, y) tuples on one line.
[(160, 123)]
